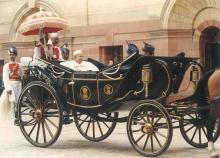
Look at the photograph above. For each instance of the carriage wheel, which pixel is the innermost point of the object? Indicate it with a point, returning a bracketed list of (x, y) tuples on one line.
[(39, 114), (149, 128), (95, 128), (193, 130)]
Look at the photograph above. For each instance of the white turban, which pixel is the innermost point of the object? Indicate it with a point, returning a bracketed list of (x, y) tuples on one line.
[(77, 52), (53, 35)]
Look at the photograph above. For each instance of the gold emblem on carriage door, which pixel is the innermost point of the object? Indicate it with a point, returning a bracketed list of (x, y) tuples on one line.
[(85, 93), (108, 89)]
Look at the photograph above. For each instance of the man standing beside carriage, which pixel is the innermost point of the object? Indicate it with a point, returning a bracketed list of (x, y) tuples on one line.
[(12, 75)]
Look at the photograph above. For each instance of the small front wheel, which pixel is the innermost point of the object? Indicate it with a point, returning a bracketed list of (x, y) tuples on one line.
[(149, 128)]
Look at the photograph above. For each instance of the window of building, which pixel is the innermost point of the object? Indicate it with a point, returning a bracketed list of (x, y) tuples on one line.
[(111, 54)]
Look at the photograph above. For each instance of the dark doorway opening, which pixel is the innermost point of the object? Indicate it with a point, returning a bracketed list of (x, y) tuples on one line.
[(111, 54), (210, 47)]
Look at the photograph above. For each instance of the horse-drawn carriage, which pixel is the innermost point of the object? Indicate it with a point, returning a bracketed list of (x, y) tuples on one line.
[(139, 84)]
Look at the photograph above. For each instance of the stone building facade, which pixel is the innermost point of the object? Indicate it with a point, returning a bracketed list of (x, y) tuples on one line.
[(103, 27)]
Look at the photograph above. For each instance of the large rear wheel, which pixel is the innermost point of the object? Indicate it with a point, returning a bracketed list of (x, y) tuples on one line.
[(40, 114)]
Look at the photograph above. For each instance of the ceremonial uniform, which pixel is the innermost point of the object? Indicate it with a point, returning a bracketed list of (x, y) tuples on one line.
[(12, 73)]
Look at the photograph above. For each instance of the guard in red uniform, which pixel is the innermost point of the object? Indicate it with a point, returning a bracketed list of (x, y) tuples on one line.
[(12, 74)]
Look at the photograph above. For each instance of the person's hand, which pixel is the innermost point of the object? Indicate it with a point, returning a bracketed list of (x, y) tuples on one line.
[(9, 92)]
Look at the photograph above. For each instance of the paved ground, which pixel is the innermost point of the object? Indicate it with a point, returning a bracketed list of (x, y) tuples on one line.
[(72, 145)]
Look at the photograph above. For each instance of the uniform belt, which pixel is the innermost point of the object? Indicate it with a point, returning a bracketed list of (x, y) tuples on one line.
[(15, 79)]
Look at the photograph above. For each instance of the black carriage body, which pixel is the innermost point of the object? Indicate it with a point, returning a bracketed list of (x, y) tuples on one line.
[(114, 85)]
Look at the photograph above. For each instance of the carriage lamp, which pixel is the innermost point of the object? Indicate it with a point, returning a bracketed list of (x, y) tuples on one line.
[(194, 74), (146, 77)]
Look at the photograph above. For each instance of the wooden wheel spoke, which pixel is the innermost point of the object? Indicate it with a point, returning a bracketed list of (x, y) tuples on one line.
[(38, 131), (28, 105), (48, 128), (200, 137), (205, 132), (29, 134), (31, 101), (155, 136), (93, 128), (137, 130), (139, 123), (44, 133), (88, 125), (146, 141), (162, 135), (26, 123), (152, 143), (100, 129), (51, 122), (139, 138), (152, 120), (46, 109), (194, 134), (106, 124), (186, 123), (191, 116), (162, 126), (25, 110), (189, 128), (83, 121), (158, 120)]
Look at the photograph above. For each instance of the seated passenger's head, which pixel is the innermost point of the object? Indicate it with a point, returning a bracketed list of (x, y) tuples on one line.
[(148, 49), (132, 48), (54, 38), (65, 52), (78, 56)]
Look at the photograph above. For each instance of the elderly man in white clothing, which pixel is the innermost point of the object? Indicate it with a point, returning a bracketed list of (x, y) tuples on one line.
[(78, 64)]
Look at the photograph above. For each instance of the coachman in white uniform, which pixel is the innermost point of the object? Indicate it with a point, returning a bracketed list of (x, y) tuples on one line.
[(12, 74)]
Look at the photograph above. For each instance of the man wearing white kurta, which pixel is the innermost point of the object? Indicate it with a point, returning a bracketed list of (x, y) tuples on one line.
[(78, 64), (12, 74)]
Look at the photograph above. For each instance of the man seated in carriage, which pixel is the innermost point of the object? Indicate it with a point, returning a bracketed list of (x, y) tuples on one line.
[(78, 64)]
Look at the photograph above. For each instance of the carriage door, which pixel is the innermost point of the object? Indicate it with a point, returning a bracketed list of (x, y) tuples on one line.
[(212, 55)]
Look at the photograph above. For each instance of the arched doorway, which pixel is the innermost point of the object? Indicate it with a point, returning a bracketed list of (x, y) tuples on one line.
[(210, 47)]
